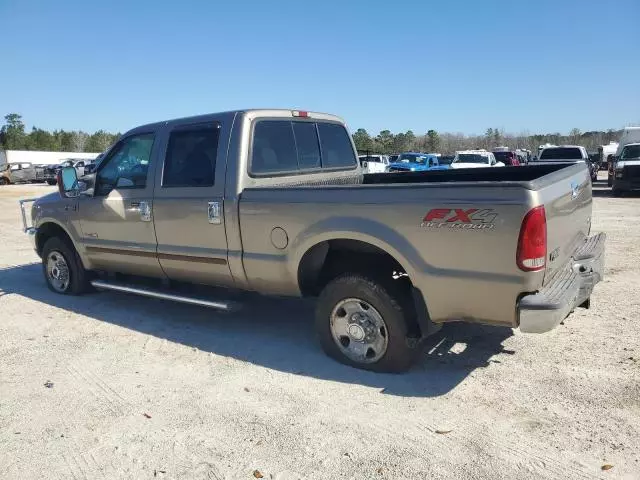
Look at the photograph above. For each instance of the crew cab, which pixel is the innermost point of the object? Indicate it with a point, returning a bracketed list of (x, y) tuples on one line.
[(275, 201), (475, 159)]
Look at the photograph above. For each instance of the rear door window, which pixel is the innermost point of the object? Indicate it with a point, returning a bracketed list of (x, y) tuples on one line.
[(191, 157)]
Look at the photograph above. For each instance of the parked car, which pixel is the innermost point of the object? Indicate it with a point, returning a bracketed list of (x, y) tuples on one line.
[(414, 162), (475, 159), (629, 135), (508, 158), (23, 172), (275, 201), (374, 163), (446, 159), (627, 170)]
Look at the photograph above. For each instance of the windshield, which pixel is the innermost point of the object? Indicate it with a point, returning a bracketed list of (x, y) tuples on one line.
[(561, 153), (411, 157), (471, 158), (630, 151)]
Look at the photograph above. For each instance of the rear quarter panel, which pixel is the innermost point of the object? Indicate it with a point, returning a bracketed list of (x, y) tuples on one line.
[(464, 272)]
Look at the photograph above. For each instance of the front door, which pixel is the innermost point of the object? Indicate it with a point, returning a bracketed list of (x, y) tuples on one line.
[(116, 222), (187, 210)]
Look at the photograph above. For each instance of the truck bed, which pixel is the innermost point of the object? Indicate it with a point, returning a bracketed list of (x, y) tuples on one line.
[(528, 174)]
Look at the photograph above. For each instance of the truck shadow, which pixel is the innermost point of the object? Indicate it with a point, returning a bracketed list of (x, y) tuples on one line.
[(274, 333)]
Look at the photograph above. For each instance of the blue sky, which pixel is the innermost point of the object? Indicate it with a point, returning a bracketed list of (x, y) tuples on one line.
[(457, 66)]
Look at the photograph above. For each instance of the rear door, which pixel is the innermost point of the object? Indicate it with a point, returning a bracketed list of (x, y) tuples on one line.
[(188, 206)]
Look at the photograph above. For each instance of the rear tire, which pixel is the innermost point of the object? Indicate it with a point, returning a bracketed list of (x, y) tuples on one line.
[(62, 268), (386, 346), (4, 181)]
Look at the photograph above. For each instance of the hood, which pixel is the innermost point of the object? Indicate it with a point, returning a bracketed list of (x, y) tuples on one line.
[(52, 197), (628, 163)]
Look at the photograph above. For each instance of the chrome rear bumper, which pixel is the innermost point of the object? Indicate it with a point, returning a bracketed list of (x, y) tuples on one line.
[(542, 311)]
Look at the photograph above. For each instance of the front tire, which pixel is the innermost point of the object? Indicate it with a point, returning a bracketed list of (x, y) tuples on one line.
[(364, 323), (62, 268)]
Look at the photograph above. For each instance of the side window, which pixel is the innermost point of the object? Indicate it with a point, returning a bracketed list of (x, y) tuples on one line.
[(274, 148), (191, 157), (15, 166), (336, 146), (127, 165), (307, 143)]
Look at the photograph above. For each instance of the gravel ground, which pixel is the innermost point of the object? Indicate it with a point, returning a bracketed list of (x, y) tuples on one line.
[(115, 386)]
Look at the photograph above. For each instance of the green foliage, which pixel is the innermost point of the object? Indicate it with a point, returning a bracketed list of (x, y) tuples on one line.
[(432, 141), (14, 137)]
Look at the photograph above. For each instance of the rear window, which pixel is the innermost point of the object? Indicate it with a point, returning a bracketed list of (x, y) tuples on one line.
[(561, 153), (630, 151), (471, 158), (288, 147)]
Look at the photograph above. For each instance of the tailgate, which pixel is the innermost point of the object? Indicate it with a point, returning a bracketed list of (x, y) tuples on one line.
[(566, 196)]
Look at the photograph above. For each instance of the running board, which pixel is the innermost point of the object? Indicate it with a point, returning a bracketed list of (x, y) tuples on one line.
[(224, 306)]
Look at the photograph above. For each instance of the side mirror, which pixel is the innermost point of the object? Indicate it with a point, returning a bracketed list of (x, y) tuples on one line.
[(364, 164), (68, 182)]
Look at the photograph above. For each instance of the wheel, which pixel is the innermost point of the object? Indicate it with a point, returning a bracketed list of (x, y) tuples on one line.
[(63, 269), (616, 192), (365, 323), (51, 182), (4, 181), (609, 181)]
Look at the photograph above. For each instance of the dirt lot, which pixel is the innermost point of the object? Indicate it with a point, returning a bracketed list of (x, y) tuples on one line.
[(142, 388)]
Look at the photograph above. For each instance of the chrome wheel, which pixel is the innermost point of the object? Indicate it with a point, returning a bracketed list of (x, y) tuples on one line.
[(359, 330), (57, 271)]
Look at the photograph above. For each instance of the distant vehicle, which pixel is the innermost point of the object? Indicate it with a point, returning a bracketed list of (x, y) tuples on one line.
[(629, 135), (23, 172), (605, 151), (524, 155), (91, 166), (510, 159), (415, 162), (568, 153), (393, 158), (374, 163), (446, 159), (627, 170), (475, 159), (51, 171)]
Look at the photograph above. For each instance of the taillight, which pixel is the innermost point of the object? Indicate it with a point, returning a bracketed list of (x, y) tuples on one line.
[(300, 113), (532, 243)]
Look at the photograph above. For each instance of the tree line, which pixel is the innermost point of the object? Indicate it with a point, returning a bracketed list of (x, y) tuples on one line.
[(432, 141), (13, 136)]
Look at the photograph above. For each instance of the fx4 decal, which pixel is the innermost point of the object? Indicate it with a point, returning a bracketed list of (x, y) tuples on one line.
[(460, 218)]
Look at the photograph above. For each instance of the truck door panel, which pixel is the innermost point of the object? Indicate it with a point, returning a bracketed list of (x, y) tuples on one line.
[(116, 223)]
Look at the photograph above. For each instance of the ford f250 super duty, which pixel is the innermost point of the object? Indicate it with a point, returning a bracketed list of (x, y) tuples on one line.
[(274, 201)]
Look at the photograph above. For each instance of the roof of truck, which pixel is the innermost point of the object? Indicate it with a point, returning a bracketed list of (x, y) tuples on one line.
[(253, 112)]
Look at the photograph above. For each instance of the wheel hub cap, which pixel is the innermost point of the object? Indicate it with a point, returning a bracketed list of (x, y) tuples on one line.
[(58, 271), (359, 330)]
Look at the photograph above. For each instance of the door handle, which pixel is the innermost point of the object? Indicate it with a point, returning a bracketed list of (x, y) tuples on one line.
[(143, 207), (70, 207), (214, 213)]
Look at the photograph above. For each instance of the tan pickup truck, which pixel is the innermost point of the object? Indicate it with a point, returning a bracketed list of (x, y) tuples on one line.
[(274, 201)]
